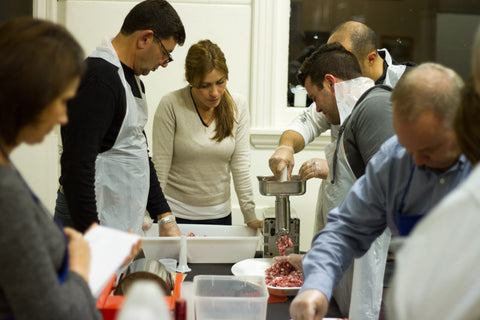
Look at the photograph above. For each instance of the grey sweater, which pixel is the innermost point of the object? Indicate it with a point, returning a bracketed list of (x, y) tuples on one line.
[(32, 249), (193, 168)]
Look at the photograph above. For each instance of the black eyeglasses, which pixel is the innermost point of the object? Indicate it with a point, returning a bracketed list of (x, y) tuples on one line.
[(165, 52)]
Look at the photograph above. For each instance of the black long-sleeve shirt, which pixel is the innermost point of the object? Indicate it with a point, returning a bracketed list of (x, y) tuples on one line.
[(95, 117)]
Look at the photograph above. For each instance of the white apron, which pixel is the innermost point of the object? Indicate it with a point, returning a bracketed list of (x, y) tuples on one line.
[(122, 174), (344, 179), (369, 270), (330, 195), (365, 297), (327, 194), (367, 285), (359, 291), (394, 71)]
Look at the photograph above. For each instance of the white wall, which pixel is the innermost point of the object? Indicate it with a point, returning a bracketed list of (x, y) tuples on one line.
[(39, 166), (254, 36)]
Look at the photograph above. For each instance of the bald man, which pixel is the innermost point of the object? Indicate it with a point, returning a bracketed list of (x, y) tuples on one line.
[(445, 287), (375, 64), (379, 66), (361, 40)]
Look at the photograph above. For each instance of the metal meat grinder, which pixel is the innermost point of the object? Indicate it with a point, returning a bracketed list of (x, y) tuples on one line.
[(282, 224)]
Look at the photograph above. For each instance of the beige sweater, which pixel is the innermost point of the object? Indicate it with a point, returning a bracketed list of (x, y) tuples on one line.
[(195, 169)]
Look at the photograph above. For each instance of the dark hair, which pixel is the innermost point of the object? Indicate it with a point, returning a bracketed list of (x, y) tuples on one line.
[(466, 122), (332, 59), (158, 16), (38, 61), (202, 58)]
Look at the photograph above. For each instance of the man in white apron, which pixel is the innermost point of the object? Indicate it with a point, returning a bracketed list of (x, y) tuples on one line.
[(332, 78), (107, 175), (410, 173), (379, 66)]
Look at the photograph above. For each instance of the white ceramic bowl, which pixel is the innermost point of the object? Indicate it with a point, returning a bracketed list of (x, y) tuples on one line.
[(257, 266)]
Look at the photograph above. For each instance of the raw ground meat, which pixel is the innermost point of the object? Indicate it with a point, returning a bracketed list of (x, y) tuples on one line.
[(283, 274), (191, 234), (284, 242)]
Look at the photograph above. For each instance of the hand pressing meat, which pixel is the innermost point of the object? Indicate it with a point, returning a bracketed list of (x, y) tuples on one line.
[(286, 272), (294, 259)]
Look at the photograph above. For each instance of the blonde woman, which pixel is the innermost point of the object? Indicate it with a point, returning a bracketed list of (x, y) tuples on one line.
[(201, 140)]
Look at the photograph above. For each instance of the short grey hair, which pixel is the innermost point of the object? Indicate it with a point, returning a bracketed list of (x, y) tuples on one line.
[(429, 86)]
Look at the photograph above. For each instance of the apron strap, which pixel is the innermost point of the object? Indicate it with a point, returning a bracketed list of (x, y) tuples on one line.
[(342, 128)]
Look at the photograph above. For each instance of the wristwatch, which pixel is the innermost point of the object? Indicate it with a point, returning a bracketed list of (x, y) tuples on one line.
[(167, 219)]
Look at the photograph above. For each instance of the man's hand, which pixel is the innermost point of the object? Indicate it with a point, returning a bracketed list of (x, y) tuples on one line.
[(283, 157), (255, 224), (290, 142), (167, 226), (314, 168), (169, 230), (147, 222), (310, 304), (294, 259)]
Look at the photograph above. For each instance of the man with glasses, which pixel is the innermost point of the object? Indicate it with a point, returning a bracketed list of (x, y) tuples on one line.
[(166, 53), (107, 175)]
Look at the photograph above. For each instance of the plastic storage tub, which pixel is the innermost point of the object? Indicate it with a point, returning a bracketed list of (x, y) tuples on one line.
[(212, 243), (230, 297)]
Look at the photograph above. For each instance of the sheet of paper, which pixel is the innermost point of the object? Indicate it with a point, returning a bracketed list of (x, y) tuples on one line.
[(109, 248)]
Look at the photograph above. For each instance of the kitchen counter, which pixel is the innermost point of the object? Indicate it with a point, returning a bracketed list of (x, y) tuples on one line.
[(275, 311)]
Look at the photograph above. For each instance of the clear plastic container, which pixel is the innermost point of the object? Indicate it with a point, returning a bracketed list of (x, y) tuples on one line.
[(230, 297)]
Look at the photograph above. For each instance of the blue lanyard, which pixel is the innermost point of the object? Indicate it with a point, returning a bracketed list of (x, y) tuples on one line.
[(406, 222), (63, 272), (402, 202)]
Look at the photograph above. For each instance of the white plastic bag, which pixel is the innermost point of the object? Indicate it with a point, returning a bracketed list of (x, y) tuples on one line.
[(145, 301), (367, 285)]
